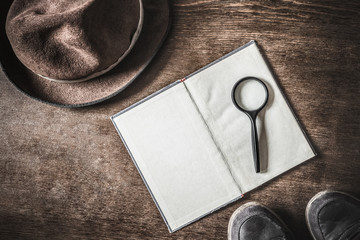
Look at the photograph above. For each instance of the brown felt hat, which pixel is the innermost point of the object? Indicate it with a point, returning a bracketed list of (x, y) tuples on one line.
[(78, 53)]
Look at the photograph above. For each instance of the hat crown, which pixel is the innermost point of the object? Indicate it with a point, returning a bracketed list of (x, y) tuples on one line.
[(71, 41)]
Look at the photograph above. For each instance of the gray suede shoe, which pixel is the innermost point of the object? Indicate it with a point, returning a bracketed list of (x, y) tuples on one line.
[(333, 215), (253, 221)]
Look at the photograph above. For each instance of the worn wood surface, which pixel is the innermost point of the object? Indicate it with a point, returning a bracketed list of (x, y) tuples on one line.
[(64, 173)]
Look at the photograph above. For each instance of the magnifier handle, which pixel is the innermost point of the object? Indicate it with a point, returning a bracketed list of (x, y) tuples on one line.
[(255, 145)]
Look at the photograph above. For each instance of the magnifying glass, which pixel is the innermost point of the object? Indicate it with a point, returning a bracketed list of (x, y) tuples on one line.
[(250, 95)]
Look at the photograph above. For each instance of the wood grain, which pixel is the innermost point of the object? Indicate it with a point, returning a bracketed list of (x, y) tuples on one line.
[(64, 173)]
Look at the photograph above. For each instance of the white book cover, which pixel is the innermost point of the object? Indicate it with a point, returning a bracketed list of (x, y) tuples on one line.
[(192, 146)]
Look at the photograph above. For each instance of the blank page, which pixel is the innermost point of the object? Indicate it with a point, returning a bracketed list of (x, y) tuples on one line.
[(283, 144), (176, 156)]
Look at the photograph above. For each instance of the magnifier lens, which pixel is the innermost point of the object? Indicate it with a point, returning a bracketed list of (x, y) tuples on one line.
[(250, 95)]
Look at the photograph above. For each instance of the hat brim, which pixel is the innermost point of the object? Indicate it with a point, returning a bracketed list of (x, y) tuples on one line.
[(155, 27)]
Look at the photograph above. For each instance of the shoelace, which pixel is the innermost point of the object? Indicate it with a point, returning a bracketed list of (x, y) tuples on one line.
[(352, 233)]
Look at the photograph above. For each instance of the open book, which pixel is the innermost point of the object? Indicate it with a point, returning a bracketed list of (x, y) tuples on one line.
[(192, 147)]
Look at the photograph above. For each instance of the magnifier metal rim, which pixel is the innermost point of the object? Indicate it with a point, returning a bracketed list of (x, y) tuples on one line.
[(246, 79)]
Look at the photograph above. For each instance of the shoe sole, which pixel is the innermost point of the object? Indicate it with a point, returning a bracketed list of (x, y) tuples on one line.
[(249, 204), (319, 194)]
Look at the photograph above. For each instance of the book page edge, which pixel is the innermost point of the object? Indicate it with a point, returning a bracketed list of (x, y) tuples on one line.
[(206, 214)]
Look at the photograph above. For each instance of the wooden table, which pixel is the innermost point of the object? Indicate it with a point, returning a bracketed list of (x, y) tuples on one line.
[(65, 174)]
